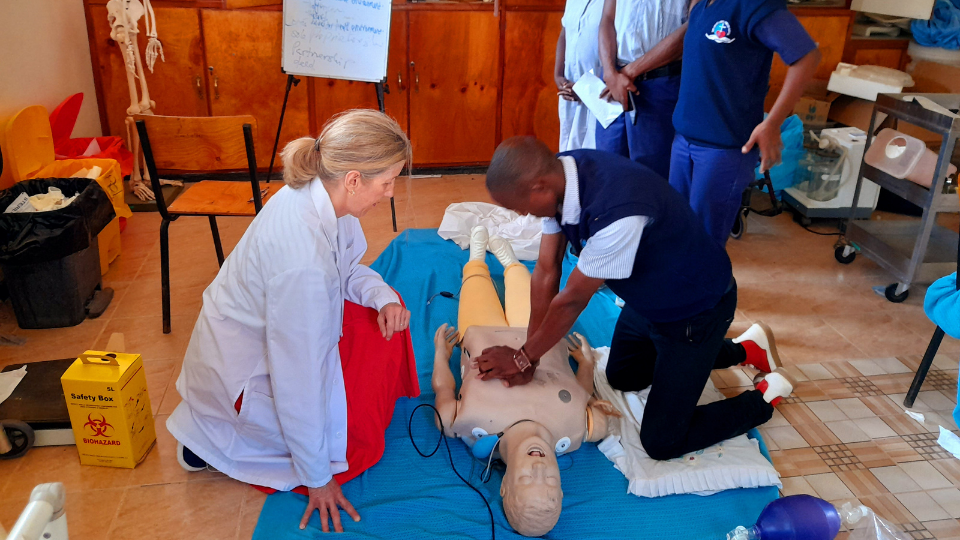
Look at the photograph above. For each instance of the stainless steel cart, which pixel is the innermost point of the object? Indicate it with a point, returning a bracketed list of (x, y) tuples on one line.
[(913, 251)]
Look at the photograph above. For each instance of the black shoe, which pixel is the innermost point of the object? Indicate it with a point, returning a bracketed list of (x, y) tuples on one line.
[(188, 460)]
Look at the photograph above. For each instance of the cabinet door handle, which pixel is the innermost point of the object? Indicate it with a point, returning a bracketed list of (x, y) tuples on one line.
[(399, 82), (416, 77), (216, 84), (199, 81)]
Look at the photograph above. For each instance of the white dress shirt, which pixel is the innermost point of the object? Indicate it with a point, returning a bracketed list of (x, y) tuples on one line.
[(641, 24), (269, 329), (611, 251), (581, 28)]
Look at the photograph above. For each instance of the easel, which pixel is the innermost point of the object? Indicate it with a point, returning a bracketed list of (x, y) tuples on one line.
[(293, 81)]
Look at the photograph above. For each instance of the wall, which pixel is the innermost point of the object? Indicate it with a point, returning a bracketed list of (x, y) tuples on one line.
[(45, 57)]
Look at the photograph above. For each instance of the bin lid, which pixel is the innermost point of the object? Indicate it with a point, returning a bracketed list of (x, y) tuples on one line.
[(29, 142), (64, 118)]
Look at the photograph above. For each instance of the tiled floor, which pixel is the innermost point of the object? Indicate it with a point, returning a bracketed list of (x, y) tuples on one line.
[(843, 435)]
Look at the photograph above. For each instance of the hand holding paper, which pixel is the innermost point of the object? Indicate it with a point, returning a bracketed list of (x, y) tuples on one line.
[(589, 88)]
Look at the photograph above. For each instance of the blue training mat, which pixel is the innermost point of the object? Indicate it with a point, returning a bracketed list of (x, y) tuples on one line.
[(406, 496)]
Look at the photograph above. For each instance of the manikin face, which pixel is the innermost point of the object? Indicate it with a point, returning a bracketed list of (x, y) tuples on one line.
[(369, 191), (532, 482)]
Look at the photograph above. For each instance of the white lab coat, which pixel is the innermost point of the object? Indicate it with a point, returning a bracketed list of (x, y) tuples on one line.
[(642, 24), (581, 27), (269, 329)]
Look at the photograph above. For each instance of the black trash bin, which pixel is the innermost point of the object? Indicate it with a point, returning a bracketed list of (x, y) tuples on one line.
[(51, 260)]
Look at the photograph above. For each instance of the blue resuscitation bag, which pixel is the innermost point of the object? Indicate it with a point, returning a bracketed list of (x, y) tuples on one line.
[(943, 28), (784, 175)]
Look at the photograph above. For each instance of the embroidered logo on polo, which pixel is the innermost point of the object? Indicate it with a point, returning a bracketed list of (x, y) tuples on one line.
[(720, 33)]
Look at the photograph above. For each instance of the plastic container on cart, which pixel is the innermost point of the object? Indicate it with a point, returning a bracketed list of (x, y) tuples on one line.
[(903, 156)]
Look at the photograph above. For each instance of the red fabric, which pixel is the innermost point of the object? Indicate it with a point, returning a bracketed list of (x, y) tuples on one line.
[(756, 356), (375, 374)]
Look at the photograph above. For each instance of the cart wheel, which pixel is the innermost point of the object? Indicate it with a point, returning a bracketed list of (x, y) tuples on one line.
[(891, 293), (21, 438), (739, 226), (844, 259)]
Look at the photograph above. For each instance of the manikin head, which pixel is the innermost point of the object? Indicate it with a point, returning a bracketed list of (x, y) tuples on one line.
[(526, 177), (532, 498)]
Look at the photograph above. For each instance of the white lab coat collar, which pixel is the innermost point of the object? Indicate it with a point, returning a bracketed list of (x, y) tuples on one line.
[(328, 216), (570, 214)]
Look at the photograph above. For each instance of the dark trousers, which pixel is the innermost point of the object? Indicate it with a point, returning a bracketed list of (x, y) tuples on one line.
[(649, 140), (675, 359)]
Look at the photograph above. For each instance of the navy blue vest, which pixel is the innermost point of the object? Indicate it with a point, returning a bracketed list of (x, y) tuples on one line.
[(679, 270)]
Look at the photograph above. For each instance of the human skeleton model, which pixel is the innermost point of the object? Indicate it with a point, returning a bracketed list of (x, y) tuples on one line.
[(124, 17), (553, 414)]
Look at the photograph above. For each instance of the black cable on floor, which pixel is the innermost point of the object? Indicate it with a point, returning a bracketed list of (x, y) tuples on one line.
[(493, 530), (818, 233)]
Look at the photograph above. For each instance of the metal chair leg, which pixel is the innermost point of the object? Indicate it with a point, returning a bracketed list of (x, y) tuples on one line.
[(923, 368), (393, 213), (216, 239), (165, 273)]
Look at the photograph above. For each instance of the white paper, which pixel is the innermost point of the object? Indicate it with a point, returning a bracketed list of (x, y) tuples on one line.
[(9, 381), (20, 205), (588, 89), (916, 416), (949, 441)]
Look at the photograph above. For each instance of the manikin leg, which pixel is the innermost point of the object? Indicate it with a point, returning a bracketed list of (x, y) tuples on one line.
[(516, 282), (479, 303)]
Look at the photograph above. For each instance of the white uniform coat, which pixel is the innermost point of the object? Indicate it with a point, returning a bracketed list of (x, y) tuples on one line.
[(642, 24), (581, 28), (269, 328)]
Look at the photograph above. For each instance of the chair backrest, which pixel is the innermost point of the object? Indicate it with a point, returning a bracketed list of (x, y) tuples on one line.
[(198, 143)]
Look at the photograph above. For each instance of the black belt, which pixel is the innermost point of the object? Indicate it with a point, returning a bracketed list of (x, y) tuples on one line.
[(669, 70)]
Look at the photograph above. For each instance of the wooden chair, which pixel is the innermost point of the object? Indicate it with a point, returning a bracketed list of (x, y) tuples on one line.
[(201, 144)]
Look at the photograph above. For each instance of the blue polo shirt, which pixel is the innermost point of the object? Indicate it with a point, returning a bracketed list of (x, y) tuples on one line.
[(727, 53)]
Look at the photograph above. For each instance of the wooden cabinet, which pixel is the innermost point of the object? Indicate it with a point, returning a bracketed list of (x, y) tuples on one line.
[(877, 51), (244, 76), (177, 85), (830, 32), (529, 92), (891, 58), (454, 83), (331, 96)]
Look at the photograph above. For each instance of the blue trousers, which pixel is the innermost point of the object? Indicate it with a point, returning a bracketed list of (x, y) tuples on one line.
[(712, 180), (648, 141)]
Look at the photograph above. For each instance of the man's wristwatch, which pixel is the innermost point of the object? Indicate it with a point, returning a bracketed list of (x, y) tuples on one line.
[(522, 360)]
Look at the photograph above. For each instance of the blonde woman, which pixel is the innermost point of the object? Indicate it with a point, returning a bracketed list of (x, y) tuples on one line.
[(272, 394)]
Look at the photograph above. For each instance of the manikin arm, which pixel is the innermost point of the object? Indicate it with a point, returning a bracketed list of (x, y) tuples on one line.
[(444, 385), (581, 351)]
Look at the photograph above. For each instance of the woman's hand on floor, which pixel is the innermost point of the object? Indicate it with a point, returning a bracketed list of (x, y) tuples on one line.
[(393, 318), (328, 500)]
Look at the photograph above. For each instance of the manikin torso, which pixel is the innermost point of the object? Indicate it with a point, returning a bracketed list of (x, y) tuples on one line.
[(553, 398)]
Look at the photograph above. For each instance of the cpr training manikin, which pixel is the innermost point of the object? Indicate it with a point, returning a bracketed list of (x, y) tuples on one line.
[(551, 415)]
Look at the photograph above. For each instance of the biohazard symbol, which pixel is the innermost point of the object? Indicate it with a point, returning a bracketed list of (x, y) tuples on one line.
[(98, 427)]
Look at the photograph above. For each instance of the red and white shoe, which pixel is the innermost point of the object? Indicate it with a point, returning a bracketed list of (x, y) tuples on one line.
[(775, 386), (761, 348)]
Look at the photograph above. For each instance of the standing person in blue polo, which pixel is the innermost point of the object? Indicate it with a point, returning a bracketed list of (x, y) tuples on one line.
[(641, 42), (640, 237), (727, 53)]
